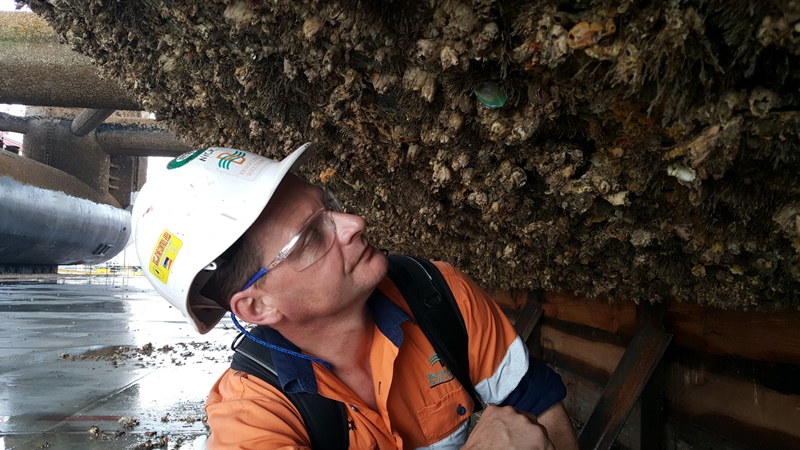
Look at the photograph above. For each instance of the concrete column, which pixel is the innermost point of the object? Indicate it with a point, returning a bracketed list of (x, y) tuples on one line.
[(52, 143), (126, 175)]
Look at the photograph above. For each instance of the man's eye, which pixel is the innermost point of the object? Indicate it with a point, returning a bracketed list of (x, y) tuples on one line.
[(311, 239)]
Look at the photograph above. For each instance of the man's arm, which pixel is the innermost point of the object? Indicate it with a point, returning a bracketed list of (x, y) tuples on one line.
[(499, 358), (505, 427), (559, 427), (508, 428)]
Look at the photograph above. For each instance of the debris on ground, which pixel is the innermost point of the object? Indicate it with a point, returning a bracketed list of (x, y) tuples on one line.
[(128, 422), (146, 356)]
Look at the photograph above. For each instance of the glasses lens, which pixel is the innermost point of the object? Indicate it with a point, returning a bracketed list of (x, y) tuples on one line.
[(315, 240), (331, 202)]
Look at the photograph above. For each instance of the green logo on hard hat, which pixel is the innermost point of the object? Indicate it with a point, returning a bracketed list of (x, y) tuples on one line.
[(226, 159), (184, 159)]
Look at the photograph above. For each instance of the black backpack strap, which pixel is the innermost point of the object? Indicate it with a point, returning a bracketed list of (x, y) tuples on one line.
[(325, 419), (435, 309)]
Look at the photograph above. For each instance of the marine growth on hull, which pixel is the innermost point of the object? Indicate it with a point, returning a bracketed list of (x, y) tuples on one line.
[(634, 150)]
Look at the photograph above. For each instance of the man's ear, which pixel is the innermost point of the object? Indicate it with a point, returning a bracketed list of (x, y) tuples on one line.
[(253, 308)]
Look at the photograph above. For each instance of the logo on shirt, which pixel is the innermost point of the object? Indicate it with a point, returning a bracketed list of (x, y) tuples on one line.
[(441, 376)]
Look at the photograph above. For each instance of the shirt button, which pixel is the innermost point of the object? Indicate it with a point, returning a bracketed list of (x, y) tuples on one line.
[(353, 407), (461, 410)]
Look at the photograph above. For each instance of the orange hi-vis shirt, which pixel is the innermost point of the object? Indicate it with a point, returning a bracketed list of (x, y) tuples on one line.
[(420, 403)]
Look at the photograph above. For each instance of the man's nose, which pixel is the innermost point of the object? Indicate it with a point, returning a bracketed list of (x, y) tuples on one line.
[(348, 227)]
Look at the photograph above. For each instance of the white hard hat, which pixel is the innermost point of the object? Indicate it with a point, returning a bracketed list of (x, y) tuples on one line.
[(186, 219)]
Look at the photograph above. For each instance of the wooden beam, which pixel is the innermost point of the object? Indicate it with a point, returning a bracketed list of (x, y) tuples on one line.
[(529, 317), (735, 402), (762, 336), (651, 420), (624, 389), (613, 317), (585, 353), (687, 434), (583, 394)]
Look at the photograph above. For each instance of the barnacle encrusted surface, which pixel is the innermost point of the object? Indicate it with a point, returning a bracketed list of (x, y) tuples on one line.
[(643, 150)]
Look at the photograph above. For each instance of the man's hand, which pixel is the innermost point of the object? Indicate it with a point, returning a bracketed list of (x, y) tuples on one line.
[(505, 427)]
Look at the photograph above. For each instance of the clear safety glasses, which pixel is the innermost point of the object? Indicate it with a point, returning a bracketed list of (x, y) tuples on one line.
[(314, 240)]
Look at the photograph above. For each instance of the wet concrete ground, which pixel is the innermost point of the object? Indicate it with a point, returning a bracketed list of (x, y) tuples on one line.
[(102, 363)]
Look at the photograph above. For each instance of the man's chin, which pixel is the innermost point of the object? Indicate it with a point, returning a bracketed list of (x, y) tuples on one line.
[(378, 265)]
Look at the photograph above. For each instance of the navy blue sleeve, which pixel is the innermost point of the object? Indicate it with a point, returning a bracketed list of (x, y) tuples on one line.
[(539, 389)]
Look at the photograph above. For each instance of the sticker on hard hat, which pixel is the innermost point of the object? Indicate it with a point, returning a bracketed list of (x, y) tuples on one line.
[(237, 163), (185, 158), (164, 254)]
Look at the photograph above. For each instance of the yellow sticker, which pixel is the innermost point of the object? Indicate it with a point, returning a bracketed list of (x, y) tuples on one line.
[(164, 255)]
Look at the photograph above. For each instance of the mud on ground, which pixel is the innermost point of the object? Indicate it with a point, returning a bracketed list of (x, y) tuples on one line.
[(634, 150)]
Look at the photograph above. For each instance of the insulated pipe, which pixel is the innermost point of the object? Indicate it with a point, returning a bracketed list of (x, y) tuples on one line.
[(50, 227), (40, 71)]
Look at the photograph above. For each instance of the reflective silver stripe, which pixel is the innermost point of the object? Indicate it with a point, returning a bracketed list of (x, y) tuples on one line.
[(452, 442), (505, 379), (492, 390)]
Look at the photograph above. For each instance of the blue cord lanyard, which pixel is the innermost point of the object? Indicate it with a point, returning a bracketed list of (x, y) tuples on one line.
[(236, 323)]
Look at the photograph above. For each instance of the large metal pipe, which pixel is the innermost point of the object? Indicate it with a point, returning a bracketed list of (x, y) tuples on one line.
[(37, 70), (34, 173), (48, 226)]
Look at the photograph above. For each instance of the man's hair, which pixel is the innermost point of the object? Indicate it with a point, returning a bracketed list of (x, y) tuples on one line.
[(243, 260)]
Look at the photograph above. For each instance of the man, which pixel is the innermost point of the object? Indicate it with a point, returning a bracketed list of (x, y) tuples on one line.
[(235, 231)]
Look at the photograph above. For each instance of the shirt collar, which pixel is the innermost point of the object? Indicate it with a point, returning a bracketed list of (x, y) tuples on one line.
[(297, 374), (388, 317)]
